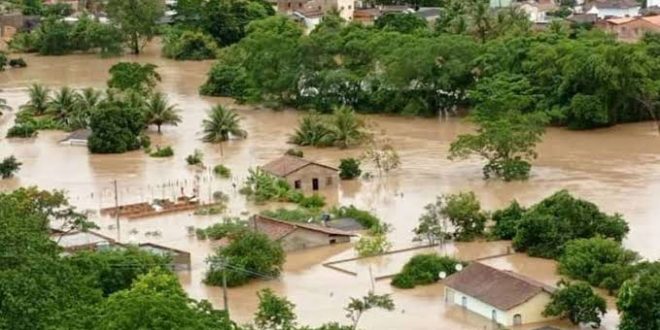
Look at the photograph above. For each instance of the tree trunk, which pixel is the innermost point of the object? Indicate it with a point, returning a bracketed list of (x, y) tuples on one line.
[(136, 44), (158, 128)]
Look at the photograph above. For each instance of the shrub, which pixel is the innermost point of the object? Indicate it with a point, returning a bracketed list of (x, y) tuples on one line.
[(262, 187), (295, 153), (26, 130), (115, 129), (189, 45), (546, 227), (196, 158), (312, 202), (578, 303), (230, 227), (297, 214), (163, 152), (9, 166), (249, 253), (3, 61), (210, 210), (349, 168), (506, 221), (424, 269), (222, 171), (17, 63), (373, 245), (365, 218), (463, 210)]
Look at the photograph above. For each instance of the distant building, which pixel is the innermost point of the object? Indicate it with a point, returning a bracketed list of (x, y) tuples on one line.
[(77, 138), (613, 8), (538, 10), (502, 296), (77, 241), (345, 8), (296, 236), (631, 28), (302, 174), (500, 3), (652, 3), (180, 259)]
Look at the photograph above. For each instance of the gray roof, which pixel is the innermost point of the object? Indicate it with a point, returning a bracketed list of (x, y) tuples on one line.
[(81, 134), (348, 224)]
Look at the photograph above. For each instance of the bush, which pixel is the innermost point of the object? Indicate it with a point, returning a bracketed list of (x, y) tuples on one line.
[(601, 262), (547, 226), (163, 152), (506, 221), (365, 218), (115, 129), (17, 63), (189, 45), (9, 166), (196, 158), (297, 214), (312, 202), (373, 245), (464, 212), (222, 171), (3, 61), (26, 130), (578, 303), (230, 227), (249, 253), (295, 153), (349, 168), (262, 187), (424, 269), (639, 300), (210, 210)]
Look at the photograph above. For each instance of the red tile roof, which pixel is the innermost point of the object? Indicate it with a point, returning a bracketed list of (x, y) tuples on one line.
[(286, 165), (501, 289)]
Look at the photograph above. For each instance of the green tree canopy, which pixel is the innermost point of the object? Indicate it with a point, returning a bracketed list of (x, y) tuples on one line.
[(131, 75), (137, 20), (578, 303)]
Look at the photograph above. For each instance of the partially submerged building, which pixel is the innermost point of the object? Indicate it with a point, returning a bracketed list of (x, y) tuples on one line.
[(77, 138), (303, 174), (504, 297), (296, 236), (76, 241), (180, 258)]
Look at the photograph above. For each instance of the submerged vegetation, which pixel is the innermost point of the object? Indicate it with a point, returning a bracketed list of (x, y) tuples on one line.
[(424, 269)]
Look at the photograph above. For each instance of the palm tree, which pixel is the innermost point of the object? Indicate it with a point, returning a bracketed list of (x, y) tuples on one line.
[(312, 131), (39, 97), (346, 128), (87, 102), (221, 125), (158, 112), (64, 104)]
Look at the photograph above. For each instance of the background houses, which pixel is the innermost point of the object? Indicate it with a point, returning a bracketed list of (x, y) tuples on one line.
[(303, 174)]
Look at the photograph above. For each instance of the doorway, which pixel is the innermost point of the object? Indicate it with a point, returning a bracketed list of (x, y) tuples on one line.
[(315, 184)]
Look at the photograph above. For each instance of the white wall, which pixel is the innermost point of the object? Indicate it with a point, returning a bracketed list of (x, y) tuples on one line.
[(607, 12), (476, 306)]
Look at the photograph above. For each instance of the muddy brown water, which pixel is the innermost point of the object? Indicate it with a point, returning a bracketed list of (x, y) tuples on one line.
[(617, 168)]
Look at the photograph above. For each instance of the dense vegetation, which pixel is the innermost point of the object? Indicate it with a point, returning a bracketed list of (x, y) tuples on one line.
[(42, 289), (249, 255), (424, 269), (575, 78), (578, 303)]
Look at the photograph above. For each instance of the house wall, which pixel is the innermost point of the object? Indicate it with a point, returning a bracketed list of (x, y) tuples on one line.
[(304, 239), (500, 3), (530, 311), (310, 172), (614, 12), (632, 31)]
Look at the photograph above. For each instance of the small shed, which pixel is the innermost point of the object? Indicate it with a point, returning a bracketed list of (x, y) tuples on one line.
[(180, 258), (296, 236), (505, 297), (77, 138), (303, 174)]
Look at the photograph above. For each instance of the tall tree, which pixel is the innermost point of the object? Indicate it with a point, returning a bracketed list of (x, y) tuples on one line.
[(274, 313), (578, 303), (138, 19), (639, 300), (159, 112), (141, 78), (357, 307)]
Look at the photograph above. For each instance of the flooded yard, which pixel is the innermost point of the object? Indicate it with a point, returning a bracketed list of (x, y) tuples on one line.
[(617, 168)]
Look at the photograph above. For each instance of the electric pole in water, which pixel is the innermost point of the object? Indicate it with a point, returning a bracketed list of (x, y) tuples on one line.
[(117, 212), (224, 285)]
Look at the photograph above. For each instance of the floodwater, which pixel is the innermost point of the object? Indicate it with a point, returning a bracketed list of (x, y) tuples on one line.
[(617, 168)]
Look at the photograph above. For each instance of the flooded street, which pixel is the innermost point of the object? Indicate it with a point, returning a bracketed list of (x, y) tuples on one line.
[(616, 168)]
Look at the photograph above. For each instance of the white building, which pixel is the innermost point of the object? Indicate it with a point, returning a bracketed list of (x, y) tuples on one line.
[(538, 10), (613, 8), (505, 297)]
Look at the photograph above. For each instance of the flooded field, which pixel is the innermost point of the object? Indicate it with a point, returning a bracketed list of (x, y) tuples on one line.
[(617, 168)]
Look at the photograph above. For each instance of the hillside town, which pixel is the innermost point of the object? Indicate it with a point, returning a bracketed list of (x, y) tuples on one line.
[(329, 164)]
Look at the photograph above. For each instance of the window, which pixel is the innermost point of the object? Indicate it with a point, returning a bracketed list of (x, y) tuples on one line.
[(333, 241), (288, 4), (299, 4), (493, 315), (464, 302), (297, 184), (349, 6), (328, 181)]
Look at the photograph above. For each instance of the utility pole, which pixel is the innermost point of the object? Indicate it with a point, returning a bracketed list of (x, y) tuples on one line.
[(224, 286), (117, 212)]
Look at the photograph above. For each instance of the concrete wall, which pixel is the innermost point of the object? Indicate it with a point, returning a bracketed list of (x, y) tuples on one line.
[(607, 12), (530, 311), (304, 239), (327, 178)]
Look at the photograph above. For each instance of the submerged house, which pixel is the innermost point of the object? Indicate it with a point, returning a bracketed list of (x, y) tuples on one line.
[(296, 236), (77, 138), (180, 258), (303, 174), (504, 297)]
